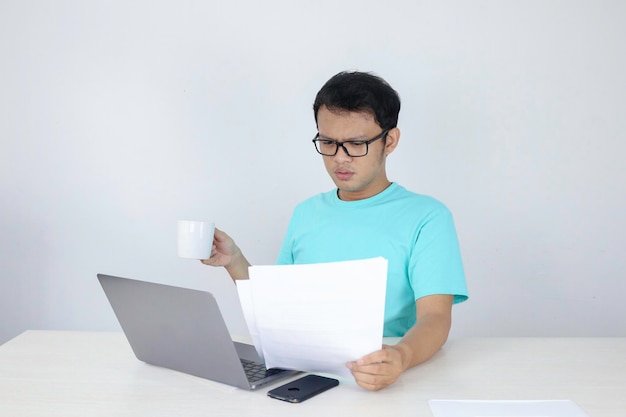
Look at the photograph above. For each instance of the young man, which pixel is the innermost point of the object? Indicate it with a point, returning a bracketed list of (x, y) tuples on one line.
[(368, 216)]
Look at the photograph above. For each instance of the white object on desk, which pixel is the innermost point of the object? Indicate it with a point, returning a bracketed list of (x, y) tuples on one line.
[(477, 408)]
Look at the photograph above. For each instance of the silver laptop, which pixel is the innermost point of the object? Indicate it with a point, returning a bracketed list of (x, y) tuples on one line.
[(183, 329)]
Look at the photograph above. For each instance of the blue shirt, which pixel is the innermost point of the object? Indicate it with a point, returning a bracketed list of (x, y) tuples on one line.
[(415, 233)]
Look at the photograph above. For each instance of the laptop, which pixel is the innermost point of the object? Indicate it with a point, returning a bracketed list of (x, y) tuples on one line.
[(183, 329)]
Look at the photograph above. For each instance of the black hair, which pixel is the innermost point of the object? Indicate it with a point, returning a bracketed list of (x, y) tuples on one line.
[(360, 92)]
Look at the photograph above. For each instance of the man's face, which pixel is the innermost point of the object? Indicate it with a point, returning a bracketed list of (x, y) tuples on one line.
[(356, 177)]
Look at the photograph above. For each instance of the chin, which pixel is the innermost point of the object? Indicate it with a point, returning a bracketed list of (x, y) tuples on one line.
[(344, 186)]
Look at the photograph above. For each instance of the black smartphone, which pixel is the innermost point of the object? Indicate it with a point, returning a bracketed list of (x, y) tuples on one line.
[(303, 388)]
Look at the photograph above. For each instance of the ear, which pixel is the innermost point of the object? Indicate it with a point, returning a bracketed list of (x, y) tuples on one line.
[(393, 137)]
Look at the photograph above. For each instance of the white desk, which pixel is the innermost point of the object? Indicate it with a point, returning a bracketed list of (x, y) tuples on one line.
[(47, 373)]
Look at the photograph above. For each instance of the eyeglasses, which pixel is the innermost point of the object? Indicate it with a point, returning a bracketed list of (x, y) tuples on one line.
[(352, 148)]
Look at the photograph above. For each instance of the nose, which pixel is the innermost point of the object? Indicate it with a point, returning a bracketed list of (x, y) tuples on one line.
[(342, 154)]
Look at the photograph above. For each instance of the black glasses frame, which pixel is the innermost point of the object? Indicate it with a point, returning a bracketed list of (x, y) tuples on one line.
[(317, 139)]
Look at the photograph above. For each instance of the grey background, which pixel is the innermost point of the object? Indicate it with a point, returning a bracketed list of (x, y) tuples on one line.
[(119, 118)]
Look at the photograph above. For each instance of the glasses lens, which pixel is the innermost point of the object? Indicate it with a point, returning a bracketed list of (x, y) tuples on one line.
[(356, 148), (326, 147)]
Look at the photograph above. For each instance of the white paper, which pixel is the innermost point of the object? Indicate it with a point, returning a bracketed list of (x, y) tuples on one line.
[(316, 317), (540, 408), (245, 298)]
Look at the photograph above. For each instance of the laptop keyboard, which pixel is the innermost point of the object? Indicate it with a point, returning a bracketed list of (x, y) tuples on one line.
[(257, 371)]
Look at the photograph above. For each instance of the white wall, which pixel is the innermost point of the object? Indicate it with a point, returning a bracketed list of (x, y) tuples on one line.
[(118, 118)]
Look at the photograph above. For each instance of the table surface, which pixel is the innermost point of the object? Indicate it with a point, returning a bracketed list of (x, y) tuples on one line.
[(63, 373)]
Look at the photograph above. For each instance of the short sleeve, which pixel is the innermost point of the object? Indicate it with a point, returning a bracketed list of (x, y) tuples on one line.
[(435, 265)]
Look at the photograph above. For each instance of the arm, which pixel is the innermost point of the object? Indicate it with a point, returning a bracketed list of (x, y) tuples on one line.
[(382, 368), (227, 254)]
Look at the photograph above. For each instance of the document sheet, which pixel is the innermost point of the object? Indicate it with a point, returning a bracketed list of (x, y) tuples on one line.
[(315, 317), (543, 408)]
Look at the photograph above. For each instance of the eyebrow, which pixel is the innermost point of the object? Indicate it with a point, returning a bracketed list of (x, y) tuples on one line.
[(361, 139)]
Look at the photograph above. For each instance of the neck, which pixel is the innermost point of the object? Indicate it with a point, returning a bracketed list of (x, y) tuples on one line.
[(347, 195)]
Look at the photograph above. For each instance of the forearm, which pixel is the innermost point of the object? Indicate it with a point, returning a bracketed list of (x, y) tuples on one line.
[(424, 339)]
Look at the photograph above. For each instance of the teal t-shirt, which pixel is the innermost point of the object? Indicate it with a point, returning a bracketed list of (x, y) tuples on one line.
[(415, 233)]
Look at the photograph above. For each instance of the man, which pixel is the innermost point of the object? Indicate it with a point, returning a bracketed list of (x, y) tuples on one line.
[(367, 216)]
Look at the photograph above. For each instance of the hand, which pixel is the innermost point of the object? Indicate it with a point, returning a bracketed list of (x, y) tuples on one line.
[(227, 254), (378, 369), (223, 250)]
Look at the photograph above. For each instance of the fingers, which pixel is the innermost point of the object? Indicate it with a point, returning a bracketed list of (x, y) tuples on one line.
[(371, 386), (380, 356), (221, 249), (212, 259), (373, 368), (377, 370), (218, 233), (375, 376), (220, 236)]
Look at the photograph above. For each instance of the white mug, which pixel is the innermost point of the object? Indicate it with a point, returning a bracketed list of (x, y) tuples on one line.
[(195, 239)]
